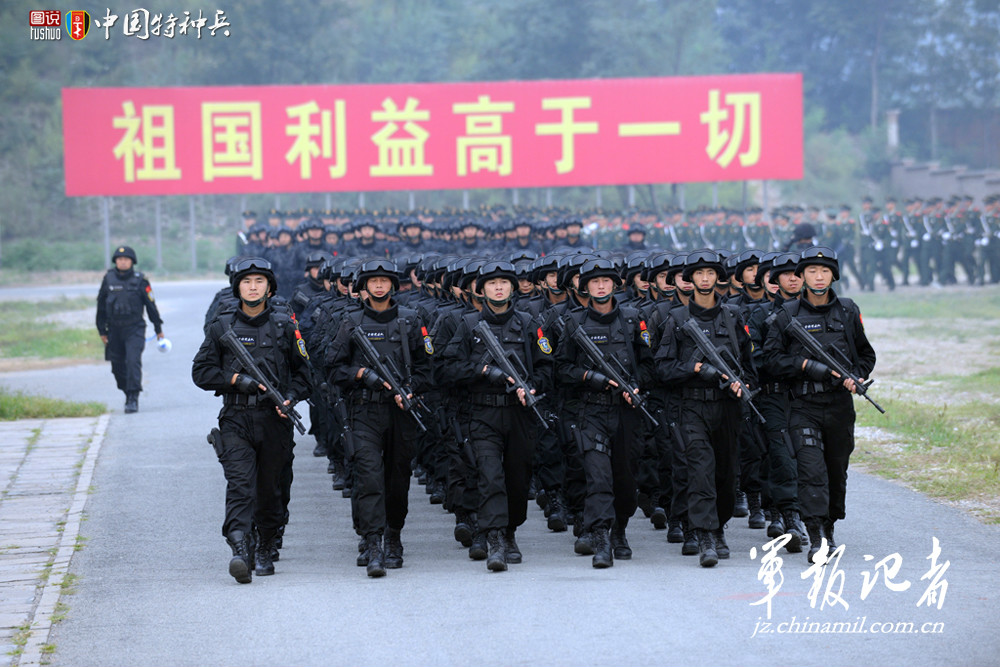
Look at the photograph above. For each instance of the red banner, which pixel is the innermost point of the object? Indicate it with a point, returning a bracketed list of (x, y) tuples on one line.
[(427, 136)]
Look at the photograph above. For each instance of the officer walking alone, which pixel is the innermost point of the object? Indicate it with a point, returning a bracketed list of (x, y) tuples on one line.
[(120, 302)]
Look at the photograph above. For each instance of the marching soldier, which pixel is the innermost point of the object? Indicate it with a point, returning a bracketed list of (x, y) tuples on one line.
[(382, 433), (254, 439), (123, 295), (821, 421), (502, 431)]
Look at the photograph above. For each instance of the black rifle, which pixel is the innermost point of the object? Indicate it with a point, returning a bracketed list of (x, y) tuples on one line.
[(270, 391), (613, 369), (816, 351), (713, 356), (505, 363), (346, 435), (385, 368)]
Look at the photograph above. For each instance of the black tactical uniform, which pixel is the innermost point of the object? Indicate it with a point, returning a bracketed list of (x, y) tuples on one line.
[(120, 302), (503, 432), (821, 421), (605, 428), (381, 450), (254, 442), (710, 416)]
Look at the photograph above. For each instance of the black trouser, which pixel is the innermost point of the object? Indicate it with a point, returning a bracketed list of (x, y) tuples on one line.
[(549, 465), (822, 429), (256, 447), (752, 450), (782, 476), (462, 490), (711, 433), (124, 351), (503, 439), (381, 456), (606, 436), (575, 480)]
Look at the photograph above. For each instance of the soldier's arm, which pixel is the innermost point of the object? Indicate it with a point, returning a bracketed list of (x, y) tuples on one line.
[(151, 310), (866, 353), (777, 360), (670, 369), (207, 369), (102, 308), (300, 384)]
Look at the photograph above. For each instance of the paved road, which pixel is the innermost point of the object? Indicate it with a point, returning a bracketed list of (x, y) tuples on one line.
[(153, 587)]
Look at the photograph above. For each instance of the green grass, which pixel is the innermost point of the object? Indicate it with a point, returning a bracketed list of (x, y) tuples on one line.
[(949, 451), (17, 405), (974, 303), (23, 334)]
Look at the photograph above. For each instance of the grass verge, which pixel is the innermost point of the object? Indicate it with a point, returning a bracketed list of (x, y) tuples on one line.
[(951, 452), (17, 405), (23, 332), (976, 303)]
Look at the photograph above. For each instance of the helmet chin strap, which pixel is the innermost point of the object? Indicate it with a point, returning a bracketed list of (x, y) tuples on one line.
[(818, 292), (788, 295), (704, 292), (498, 303), (601, 299), (380, 299), (255, 302), (685, 292)]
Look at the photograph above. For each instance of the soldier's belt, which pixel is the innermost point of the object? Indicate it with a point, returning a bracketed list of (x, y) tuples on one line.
[(242, 400), (774, 388), (702, 393), (602, 398), (493, 400), (369, 396), (804, 388)]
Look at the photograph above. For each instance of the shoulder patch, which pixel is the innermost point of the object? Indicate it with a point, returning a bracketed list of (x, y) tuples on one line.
[(149, 292), (644, 333), (543, 343), (428, 344)]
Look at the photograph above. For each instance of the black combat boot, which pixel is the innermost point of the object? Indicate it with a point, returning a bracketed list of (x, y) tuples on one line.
[(777, 526), (675, 532), (510, 546), (690, 546), (438, 492), (828, 533), (556, 512), (584, 544), (740, 507), (362, 552), (659, 518), (496, 560), (319, 450), (756, 518), (463, 528), (279, 540), (602, 549), (619, 543), (794, 527), (645, 504), (131, 402), (721, 548), (393, 549), (542, 500), (265, 564), (577, 521), (478, 550), (815, 530), (376, 557), (706, 548), (337, 476), (241, 564)]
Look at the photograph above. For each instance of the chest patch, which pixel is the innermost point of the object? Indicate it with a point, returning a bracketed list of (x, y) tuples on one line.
[(599, 339), (375, 335), (248, 341)]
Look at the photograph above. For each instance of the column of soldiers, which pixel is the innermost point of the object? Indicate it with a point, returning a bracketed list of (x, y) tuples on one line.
[(916, 242), (503, 358)]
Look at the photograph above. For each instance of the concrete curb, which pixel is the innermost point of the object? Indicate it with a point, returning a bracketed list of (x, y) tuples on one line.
[(41, 621)]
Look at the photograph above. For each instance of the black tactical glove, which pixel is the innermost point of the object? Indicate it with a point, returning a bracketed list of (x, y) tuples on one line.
[(711, 373), (595, 380), (371, 380), (246, 384), (495, 375), (816, 370)]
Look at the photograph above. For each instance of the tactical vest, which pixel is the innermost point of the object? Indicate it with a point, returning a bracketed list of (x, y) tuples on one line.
[(514, 334), (267, 344), (125, 298), (832, 328), (390, 339), (721, 332), (614, 338)]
